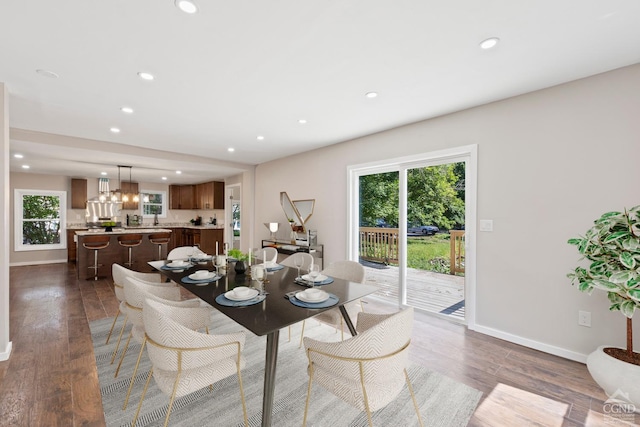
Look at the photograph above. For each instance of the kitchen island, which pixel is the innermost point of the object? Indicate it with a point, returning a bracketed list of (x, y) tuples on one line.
[(115, 253)]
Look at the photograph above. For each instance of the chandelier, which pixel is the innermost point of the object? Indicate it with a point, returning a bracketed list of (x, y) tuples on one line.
[(118, 195)]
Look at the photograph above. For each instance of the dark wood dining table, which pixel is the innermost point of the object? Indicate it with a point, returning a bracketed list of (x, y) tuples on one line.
[(271, 315)]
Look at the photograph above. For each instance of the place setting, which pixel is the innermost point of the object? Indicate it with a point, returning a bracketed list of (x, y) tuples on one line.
[(241, 296), (201, 277), (177, 265), (313, 278), (312, 298)]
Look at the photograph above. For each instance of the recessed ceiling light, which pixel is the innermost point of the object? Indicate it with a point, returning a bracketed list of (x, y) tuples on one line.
[(371, 94), (302, 121), (178, 172), (25, 166), (164, 178), (18, 156), (127, 110), (489, 43), (231, 149), (115, 130), (260, 137), (47, 73), (103, 173), (187, 6), (145, 76)]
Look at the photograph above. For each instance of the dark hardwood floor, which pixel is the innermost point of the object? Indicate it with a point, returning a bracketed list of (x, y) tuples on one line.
[(51, 379)]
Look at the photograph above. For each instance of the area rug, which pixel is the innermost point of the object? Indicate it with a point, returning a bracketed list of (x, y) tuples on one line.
[(442, 401)]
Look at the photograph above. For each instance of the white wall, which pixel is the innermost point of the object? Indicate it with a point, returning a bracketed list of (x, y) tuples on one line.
[(549, 163), (5, 344)]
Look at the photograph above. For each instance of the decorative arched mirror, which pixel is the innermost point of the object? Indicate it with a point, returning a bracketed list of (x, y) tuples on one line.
[(298, 212)]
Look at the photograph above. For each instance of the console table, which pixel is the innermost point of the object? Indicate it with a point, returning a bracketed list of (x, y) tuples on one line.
[(286, 249)]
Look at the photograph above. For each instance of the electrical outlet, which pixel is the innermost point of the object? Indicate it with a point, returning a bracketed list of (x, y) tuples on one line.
[(584, 318)]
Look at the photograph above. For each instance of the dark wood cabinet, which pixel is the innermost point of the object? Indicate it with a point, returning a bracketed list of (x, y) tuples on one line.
[(78, 193), (208, 239), (182, 197), (130, 189), (72, 246), (218, 195)]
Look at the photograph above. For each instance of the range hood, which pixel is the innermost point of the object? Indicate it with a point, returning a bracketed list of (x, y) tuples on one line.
[(102, 211)]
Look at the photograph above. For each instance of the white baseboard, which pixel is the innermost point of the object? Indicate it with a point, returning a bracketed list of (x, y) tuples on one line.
[(49, 261), (6, 353), (536, 345)]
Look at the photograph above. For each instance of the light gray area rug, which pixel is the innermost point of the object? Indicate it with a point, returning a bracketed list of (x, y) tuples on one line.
[(442, 401)]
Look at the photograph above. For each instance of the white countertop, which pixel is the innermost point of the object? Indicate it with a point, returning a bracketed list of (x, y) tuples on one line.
[(99, 231)]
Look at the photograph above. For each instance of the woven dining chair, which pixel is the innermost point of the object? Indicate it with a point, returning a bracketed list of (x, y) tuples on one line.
[(196, 314), (368, 370), (270, 255), (183, 252), (346, 270), (183, 360), (118, 274), (290, 260)]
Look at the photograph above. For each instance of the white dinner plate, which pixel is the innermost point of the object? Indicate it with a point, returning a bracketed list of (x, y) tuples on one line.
[(208, 276), (252, 294), (320, 278), (182, 265), (303, 297)]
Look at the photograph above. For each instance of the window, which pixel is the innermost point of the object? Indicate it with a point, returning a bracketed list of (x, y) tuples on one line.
[(157, 203), (40, 220)]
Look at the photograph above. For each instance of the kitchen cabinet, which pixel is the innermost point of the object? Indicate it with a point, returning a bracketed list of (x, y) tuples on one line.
[(182, 197), (208, 239), (129, 188), (72, 246), (78, 193), (210, 195), (176, 239)]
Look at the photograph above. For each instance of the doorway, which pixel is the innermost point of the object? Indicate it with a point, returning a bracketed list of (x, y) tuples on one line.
[(233, 215), (409, 224)]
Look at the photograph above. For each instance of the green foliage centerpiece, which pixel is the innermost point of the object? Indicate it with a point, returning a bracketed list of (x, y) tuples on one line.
[(241, 259), (612, 246)]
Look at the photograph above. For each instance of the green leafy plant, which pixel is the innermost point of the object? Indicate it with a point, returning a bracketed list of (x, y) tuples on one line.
[(612, 246), (238, 254)]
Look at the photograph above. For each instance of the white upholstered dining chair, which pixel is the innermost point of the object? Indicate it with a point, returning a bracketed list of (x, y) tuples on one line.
[(184, 360), (346, 270), (290, 260), (196, 314), (119, 273), (270, 255), (183, 252), (368, 370)]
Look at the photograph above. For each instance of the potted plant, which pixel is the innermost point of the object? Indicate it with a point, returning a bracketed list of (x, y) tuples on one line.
[(612, 247), (241, 259)]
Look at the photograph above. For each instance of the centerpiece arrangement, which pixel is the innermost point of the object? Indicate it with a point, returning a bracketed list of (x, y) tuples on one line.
[(241, 260), (612, 246)]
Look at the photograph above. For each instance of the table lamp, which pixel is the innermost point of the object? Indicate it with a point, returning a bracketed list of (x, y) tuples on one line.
[(273, 229)]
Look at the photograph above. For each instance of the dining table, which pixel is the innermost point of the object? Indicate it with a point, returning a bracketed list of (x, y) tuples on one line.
[(267, 317)]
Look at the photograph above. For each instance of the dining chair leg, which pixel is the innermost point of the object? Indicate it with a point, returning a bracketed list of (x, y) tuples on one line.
[(115, 352), (341, 329), (144, 392), (124, 351), (413, 397), (244, 403), (112, 325), (289, 333), (306, 405), (135, 371), (173, 398)]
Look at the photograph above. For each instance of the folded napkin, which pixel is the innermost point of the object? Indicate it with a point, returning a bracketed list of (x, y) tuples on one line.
[(222, 300), (331, 301), (275, 267), (308, 283), (190, 281)]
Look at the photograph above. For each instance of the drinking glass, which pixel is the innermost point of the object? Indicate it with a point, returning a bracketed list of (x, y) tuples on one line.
[(298, 261), (258, 274), (220, 261), (314, 272)]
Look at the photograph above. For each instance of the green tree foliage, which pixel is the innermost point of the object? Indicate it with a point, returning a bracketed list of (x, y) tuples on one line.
[(41, 223), (435, 197), (379, 199)]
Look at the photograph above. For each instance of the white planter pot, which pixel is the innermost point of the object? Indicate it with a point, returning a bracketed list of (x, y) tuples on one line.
[(617, 378)]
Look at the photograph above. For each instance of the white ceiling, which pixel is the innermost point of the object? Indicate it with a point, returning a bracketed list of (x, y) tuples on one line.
[(239, 69)]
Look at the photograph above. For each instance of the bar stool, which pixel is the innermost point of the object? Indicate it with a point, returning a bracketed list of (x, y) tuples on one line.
[(129, 241), (160, 239), (95, 243)]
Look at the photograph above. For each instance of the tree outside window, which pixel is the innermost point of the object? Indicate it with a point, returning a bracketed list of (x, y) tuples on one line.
[(40, 220), (157, 204)]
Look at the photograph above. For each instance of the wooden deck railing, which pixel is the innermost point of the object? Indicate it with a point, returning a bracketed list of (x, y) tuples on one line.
[(379, 244), (456, 255)]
